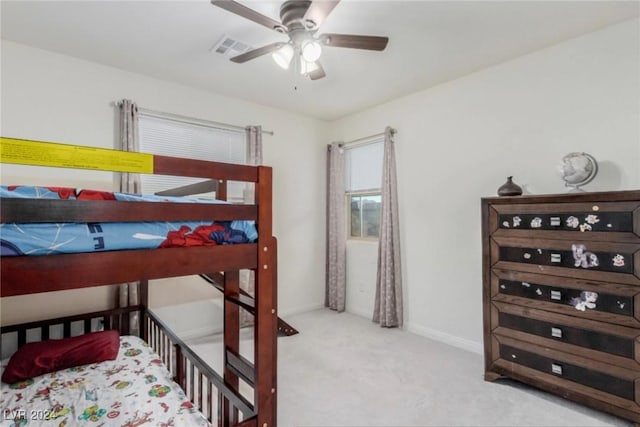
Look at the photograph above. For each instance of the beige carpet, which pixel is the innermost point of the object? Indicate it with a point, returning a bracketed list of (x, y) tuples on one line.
[(343, 370)]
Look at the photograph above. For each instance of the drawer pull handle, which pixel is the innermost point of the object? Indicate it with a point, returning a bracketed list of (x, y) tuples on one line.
[(556, 258), (555, 221), (556, 332), (556, 295), (556, 369)]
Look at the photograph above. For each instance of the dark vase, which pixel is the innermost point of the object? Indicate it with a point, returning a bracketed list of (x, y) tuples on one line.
[(509, 188)]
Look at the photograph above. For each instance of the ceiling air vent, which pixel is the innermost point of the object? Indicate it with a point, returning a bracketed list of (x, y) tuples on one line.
[(230, 47)]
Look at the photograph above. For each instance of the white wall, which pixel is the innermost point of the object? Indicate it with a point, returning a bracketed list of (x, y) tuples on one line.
[(57, 98), (459, 141)]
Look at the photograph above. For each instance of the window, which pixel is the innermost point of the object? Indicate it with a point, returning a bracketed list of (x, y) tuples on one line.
[(365, 215), (363, 178), (169, 137)]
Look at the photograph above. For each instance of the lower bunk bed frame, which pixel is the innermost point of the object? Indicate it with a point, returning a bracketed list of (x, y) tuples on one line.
[(196, 378), (24, 275)]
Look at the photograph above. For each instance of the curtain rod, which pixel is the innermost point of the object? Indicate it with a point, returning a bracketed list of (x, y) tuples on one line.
[(191, 120), (365, 140), (194, 121)]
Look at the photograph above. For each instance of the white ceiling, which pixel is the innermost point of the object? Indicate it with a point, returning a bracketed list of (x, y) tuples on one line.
[(430, 42)]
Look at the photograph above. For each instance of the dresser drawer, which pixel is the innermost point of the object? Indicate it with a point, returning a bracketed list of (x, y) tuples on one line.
[(606, 261), (605, 342), (571, 370), (575, 377), (622, 219), (599, 341), (602, 301)]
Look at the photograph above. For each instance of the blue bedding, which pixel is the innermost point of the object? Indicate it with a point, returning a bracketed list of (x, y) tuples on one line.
[(46, 239)]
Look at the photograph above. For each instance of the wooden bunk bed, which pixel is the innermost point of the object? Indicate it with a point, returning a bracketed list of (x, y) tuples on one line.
[(207, 389)]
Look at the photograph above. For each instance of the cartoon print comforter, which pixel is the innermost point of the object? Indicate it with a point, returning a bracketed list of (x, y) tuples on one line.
[(135, 389), (45, 239)]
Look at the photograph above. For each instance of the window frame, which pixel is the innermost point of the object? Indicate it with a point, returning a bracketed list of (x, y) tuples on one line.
[(360, 193), (376, 190)]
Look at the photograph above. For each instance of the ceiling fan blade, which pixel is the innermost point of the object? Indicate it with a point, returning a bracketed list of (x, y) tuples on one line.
[(318, 12), (354, 42), (250, 14), (252, 54), (318, 73)]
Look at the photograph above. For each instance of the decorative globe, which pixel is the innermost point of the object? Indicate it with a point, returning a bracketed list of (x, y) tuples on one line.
[(577, 169)]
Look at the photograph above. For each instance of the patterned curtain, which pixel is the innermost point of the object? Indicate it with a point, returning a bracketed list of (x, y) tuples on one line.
[(129, 141), (129, 183), (336, 257), (254, 145), (388, 304), (254, 158)]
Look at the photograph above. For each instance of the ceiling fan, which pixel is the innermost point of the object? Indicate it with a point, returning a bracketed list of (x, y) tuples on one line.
[(300, 21)]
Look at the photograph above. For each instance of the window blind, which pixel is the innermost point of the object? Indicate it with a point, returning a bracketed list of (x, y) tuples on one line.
[(363, 166), (177, 139)]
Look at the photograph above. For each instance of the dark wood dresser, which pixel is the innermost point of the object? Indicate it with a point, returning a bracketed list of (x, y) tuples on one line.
[(561, 295)]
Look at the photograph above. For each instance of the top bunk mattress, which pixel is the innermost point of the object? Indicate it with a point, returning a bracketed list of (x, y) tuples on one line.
[(18, 239)]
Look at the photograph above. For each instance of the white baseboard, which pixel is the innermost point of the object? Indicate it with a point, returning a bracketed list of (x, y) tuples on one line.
[(360, 311), (299, 310), (433, 334), (463, 343)]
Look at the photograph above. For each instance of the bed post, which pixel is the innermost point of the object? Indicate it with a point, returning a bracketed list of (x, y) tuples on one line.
[(266, 301), (228, 415), (221, 192), (143, 301)]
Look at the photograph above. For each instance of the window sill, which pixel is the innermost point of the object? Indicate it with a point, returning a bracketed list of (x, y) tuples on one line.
[(362, 241)]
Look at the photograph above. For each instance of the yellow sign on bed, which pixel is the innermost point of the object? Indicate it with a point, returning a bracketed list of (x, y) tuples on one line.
[(39, 153)]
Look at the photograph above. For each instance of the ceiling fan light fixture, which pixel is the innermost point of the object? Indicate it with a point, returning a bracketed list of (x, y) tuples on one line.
[(299, 20), (283, 56), (311, 50), (307, 67)]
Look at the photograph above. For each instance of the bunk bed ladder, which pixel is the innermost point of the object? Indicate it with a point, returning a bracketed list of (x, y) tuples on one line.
[(266, 306), (262, 374), (229, 415), (246, 301)]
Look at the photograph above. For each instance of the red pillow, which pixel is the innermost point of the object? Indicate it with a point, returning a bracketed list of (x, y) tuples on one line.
[(42, 357)]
